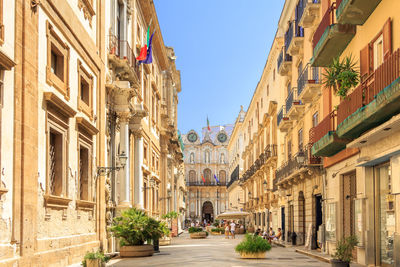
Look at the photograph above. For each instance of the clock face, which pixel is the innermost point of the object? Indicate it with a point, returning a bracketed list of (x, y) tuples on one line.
[(192, 137), (222, 137)]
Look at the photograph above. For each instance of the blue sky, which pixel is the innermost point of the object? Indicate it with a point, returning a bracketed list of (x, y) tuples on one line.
[(221, 48)]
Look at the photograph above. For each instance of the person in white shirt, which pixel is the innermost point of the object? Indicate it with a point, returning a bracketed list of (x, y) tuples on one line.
[(233, 226)]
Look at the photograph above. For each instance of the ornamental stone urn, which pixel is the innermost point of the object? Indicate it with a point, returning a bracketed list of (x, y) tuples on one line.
[(136, 251)]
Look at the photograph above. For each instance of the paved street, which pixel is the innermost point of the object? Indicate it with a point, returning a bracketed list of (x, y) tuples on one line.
[(215, 251)]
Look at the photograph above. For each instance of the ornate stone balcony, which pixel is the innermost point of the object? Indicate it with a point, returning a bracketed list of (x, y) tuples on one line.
[(284, 123), (308, 12), (309, 84), (294, 106), (284, 63), (122, 60), (294, 38)]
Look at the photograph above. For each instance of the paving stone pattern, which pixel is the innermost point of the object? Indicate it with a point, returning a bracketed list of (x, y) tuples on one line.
[(215, 251)]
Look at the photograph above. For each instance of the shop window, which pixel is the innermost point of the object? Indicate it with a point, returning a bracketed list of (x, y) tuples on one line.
[(57, 62), (85, 91)]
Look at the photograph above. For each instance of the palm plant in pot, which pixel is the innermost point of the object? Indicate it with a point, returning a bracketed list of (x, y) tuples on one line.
[(253, 247), (165, 239), (344, 252), (134, 228), (341, 76)]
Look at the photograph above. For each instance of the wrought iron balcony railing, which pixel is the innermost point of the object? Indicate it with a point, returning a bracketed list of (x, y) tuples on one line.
[(122, 50), (206, 183), (309, 75)]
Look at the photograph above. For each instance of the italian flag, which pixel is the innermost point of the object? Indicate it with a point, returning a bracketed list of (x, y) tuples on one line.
[(208, 124), (202, 177)]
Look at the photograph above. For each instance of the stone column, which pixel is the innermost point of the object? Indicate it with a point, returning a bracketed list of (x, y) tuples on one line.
[(124, 186), (123, 94), (136, 128)]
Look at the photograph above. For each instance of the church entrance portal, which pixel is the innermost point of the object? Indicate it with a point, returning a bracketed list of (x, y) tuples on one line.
[(208, 211)]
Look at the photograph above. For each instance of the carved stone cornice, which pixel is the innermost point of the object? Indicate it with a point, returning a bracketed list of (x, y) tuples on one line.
[(87, 8)]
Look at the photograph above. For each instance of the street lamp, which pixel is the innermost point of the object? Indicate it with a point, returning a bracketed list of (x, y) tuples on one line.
[(301, 157), (122, 158)]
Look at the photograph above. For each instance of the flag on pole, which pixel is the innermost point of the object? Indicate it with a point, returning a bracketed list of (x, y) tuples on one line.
[(202, 177), (208, 124), (216, 179), (149, 56), (143, 51)]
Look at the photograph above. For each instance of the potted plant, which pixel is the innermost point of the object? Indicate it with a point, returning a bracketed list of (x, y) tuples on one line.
[(171, 216), (165, 240), (344, 252), (341, 76), (197, 233), (217, 231), (95, 259), (134, 228), (253, 247), (216, 223)]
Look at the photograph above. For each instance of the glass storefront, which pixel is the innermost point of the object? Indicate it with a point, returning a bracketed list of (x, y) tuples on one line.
[(385, 209)]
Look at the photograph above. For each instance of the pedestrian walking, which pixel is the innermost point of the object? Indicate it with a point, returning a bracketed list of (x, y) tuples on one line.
[(233, 227), (227, 230)]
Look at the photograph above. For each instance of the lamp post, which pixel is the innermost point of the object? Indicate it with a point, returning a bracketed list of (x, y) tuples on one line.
[(301, 157), (122, 158)]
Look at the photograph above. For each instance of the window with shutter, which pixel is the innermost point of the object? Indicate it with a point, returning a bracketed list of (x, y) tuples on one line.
[(387, 38)]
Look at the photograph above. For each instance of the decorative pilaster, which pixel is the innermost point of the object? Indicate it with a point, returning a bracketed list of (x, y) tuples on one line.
[(136, 128)]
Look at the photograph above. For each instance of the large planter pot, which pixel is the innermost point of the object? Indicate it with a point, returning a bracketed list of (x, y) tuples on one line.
[(216, 233), (166, 241), (93, 263), (257, 255), (136, 251), (198, 235), (338, 263), (250, 229)]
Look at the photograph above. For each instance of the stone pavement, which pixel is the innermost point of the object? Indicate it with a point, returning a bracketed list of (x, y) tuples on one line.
[(215, 251)]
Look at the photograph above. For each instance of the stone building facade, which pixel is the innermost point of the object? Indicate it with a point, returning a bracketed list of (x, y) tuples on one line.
[(76, 115), (206, 161), (235, 150), (335, 171)]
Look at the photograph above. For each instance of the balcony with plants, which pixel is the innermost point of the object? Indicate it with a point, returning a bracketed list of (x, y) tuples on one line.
[(284, 123), (308, 12), (374, 101), (330, 38), (294, 38), (294, 106), (309, 84), (355, 11), (122, 59), (284, 63)]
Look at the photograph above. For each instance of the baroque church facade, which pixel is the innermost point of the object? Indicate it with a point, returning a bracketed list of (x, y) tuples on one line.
[(206, 171)]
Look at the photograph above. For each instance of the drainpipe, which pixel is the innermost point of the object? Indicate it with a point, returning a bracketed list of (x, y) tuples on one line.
[(323, 211)]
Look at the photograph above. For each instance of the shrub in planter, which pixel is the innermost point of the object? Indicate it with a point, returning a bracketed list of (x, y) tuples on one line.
[(253, 247), (134, 228), (197, 233), (94, 259), (344, 252), (165, 240)]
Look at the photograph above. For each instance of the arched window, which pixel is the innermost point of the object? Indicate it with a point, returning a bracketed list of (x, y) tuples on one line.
[(191, 157), (192, 176), (222, 177), (222, 158), (207, 176), (207, 156)]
